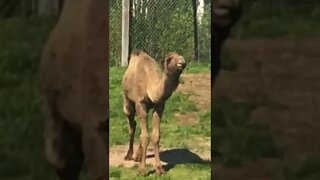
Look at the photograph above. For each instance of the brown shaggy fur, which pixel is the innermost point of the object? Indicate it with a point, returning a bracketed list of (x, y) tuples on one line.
[(74, 82), (145, 87)]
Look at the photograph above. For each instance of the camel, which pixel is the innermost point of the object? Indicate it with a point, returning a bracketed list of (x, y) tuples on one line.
[(74, 84), (145, 87), (225, 14)]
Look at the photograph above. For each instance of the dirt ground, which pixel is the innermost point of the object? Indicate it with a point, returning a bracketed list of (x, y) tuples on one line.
[(199, 89), (285, 71)]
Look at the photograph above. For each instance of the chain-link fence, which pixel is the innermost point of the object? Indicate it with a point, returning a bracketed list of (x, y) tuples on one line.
[(159, 27), (115, 32)]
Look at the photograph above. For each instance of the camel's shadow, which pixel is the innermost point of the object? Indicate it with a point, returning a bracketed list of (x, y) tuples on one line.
[(178, 156)]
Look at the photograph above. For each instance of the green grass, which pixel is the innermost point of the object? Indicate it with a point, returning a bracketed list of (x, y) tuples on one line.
[(173, 135), (198, 67), (21, 152), (182, 171)]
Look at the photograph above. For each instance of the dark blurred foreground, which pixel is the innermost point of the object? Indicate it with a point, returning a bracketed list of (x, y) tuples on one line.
[(266, 108), (267, 102)]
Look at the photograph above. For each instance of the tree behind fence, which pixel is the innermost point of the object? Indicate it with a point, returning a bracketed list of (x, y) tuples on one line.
[(158, 27)]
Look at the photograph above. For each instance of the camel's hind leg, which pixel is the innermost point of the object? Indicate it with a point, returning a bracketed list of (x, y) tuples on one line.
[(63, 147), (129, 110)]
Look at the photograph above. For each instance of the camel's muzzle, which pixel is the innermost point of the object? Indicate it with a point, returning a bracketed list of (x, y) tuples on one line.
[(181, 63)]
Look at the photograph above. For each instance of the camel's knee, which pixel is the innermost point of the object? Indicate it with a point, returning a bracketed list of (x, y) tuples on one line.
[(155, 138), (128, 108), (144, 139), (142, 116), (132, 126)]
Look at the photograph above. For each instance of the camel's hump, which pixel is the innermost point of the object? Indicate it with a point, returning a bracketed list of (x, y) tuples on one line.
[(139, 55)]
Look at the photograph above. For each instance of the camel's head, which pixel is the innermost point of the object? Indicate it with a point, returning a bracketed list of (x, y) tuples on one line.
[(174, 63)]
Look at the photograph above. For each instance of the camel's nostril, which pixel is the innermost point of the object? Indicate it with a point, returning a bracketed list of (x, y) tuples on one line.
[(182, 61)]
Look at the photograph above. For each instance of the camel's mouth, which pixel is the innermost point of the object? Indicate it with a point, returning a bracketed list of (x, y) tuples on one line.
[(181, 63)]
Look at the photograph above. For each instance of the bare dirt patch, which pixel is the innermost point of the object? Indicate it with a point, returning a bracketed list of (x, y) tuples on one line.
[(188, 119), (199, 88), (167, 156)]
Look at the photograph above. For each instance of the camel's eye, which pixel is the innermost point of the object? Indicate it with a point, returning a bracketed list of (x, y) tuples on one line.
[(168, 60)]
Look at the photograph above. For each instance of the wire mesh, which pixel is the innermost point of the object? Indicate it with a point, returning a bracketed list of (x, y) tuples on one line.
[(115, 32), (159, 27)]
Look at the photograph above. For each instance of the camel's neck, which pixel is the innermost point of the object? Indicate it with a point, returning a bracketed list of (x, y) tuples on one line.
[(164, 87), (169, 83)]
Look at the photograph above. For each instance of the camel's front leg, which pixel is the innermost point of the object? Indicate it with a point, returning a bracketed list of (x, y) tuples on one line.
[(144, 138), (130, 113), (132, 129), (156, 117)]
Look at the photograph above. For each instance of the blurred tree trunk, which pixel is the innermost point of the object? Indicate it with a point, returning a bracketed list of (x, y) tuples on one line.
[(48, 7)]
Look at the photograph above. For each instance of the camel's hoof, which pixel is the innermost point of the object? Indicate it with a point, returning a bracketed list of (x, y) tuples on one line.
[(142, 172), (159, 171), (128, 157), (137, 159)]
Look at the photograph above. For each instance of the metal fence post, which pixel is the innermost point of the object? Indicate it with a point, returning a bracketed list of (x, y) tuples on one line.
[(125, 33), (195, 32)]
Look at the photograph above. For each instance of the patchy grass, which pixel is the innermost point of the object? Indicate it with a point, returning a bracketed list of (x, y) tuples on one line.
[(172, 134), (199, 172), (198, 67)]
